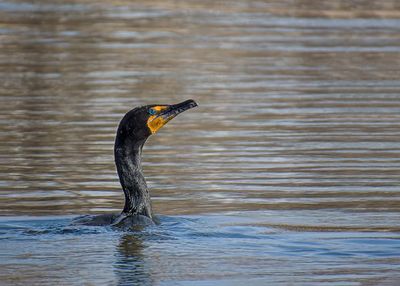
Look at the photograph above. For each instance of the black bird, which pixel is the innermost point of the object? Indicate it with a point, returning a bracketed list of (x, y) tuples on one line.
[(133, 130)]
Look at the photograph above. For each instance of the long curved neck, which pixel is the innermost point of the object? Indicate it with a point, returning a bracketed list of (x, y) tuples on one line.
[(128, 161)]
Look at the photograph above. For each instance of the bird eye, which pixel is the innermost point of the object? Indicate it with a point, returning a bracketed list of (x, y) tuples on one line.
[(152, 111)]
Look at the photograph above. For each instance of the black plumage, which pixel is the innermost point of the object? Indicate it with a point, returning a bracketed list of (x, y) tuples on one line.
[(133, 131)]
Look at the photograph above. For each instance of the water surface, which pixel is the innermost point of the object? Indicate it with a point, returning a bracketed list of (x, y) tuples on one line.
[(288, 172)]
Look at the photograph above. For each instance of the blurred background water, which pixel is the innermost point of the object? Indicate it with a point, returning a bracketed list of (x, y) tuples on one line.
[(287, 173)]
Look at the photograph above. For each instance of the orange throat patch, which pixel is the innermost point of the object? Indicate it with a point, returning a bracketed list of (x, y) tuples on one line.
[(155, 123)]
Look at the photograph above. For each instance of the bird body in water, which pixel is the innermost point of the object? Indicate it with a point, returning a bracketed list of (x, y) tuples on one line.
[(133, 131)]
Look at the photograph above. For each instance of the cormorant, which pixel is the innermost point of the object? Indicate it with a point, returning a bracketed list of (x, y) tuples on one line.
[(133, 130)]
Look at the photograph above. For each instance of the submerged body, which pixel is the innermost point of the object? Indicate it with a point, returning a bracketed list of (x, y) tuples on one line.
[(115, 220), (134, 129)]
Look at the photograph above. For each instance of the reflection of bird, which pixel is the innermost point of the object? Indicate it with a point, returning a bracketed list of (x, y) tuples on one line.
[(130, 264), (133, 131)]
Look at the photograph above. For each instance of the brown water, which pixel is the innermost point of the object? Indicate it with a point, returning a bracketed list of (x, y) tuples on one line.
[(287, 174)]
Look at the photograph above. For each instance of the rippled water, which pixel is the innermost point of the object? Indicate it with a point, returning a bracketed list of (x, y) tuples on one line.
[(287, 173)]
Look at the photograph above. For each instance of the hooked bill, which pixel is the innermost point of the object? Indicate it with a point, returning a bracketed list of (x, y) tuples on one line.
[(167, 112)]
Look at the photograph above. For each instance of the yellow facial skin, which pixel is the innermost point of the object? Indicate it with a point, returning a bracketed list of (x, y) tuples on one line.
[(155, 123)]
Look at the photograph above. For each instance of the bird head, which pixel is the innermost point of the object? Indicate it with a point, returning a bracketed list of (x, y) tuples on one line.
[(141, 122)]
